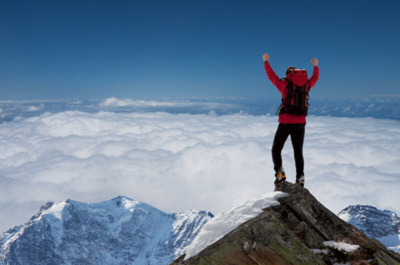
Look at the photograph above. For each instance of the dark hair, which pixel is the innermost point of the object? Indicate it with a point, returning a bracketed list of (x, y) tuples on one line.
[(290, 68)]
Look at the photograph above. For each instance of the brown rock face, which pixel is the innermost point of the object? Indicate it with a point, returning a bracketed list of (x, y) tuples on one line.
[(298, 231)]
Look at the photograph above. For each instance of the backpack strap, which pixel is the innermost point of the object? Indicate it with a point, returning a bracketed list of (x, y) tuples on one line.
[(289, 94), (279, 108), (291, 108)]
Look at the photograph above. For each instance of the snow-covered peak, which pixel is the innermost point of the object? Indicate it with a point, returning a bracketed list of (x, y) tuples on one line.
[(117, 231), (381, 225), (374, 222)]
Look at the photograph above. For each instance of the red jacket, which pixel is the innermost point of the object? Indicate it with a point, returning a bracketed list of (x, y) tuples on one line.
[(281, 85)]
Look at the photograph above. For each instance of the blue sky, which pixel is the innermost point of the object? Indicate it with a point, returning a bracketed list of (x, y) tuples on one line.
[(139, 49)]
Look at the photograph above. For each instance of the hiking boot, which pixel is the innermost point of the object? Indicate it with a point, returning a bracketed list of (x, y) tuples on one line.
[(301, 180), (280, 177)]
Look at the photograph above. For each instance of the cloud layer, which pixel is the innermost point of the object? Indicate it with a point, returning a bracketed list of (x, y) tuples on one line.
[(180, 162), (382, 107)]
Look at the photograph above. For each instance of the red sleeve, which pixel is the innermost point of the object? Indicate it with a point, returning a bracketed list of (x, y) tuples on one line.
[(315, 76), (280, 84)]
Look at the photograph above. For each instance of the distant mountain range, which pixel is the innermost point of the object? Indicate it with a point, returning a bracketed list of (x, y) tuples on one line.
[(119, 231), (380, 106)]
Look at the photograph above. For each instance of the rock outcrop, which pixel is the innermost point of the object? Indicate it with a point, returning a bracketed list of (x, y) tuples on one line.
[(298, 231)]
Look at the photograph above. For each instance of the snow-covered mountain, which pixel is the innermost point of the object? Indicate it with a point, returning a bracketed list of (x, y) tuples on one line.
[(119, 231), (381, 225)]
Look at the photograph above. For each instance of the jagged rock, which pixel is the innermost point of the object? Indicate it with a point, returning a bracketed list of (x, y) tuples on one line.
[(298, 231)]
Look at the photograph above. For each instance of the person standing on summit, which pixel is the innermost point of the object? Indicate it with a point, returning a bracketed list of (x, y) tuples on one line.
[(292, 115)]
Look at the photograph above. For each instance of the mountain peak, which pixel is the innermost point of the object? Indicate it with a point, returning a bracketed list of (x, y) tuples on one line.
[(118, 231), (121, 200), (374, 222), (381, 225), (299, 230)]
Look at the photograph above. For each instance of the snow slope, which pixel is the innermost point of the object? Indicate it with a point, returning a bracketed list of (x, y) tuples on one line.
[(227, 221), (119, 231)]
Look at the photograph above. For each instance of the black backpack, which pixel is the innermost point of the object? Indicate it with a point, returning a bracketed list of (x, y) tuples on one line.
[(296, 101)]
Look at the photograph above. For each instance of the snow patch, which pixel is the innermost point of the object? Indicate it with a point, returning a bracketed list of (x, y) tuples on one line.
[(345, 217), (54, 216), (227, 221), (55, 211), (341, 246)]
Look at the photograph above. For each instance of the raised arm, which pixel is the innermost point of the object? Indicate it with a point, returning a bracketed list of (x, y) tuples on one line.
[(315, 75), (271, 74)]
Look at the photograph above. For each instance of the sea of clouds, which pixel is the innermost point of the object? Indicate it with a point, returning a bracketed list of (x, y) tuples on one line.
[(379, 106), (197, 155)]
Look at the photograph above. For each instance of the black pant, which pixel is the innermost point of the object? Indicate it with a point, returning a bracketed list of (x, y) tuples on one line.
[(296, 132)]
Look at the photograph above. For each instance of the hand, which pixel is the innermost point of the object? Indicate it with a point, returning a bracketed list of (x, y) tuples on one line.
[(266, 57), (314, 62)]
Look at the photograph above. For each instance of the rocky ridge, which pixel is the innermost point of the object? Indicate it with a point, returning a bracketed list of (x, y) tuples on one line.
[(299, 230)]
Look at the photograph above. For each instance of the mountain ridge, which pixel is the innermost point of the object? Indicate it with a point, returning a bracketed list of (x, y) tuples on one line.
[(118, 231), (299, 230)]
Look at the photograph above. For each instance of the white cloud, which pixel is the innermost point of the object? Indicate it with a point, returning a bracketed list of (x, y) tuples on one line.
[(167, 104), (181, 161), (35, 108), (130, 102)]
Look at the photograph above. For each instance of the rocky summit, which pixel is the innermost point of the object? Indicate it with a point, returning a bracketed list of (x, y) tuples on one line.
[(299, 230)]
